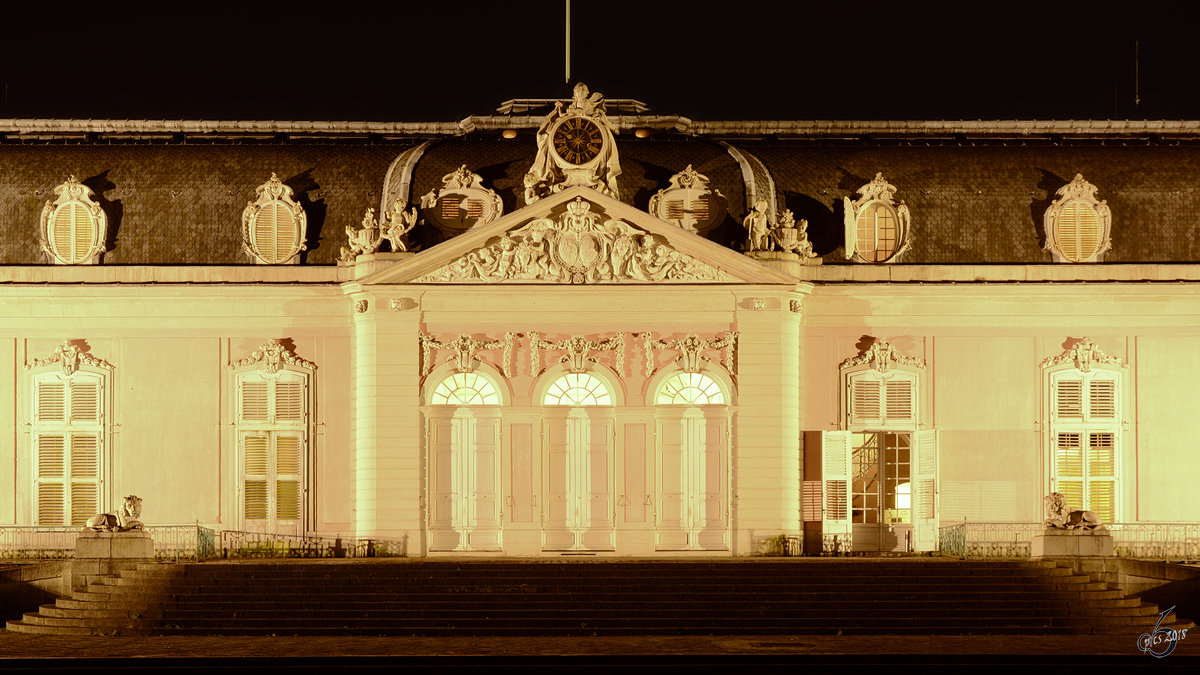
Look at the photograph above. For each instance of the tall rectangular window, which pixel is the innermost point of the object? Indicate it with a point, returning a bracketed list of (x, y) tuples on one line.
[(68, 446), (272, 424), (1085, 433)]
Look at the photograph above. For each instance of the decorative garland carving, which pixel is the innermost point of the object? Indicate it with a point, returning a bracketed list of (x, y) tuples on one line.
[(1084, 353), (690, 348), (69, 355), (273, 354), (578, 351), (464, 347), (881, 356), (576, 249)]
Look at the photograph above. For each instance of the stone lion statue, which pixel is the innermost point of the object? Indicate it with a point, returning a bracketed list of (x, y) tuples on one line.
[(125, 520), (1060, 516)]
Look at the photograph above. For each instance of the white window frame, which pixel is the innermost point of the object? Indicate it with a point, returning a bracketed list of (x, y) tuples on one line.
[(274, 193), (1083, 193), (1085, 424), (73, 194), (272, 428), (882, 193)]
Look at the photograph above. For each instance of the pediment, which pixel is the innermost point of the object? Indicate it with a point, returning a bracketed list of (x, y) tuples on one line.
[(579, 236)]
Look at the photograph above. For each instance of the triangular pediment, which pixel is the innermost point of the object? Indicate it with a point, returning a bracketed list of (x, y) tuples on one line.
[(579, 236)]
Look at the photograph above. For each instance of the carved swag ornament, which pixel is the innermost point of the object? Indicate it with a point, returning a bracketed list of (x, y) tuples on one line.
[(690, 348), (273, 354), (578, 351), (577, 248), (1084, 353), (464, 347), (881, 356), (69, 355)]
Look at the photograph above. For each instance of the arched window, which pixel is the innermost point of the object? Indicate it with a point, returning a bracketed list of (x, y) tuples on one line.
[(1077, 224), (689, 389), (74, 226), (876, 226), (465, 389), (273, 225), (577, 389)]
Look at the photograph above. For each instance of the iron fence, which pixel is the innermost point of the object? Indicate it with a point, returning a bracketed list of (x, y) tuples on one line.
[(1158, 541), (238, 544), (171, 542)]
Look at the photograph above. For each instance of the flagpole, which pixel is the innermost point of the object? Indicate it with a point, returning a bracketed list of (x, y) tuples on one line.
[(567, 49)]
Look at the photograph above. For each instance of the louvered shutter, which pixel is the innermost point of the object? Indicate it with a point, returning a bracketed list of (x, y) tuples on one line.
[(85, 477), (51, 400), (1101, 473), (1078, 235), (289, 401), (255, 396), (810, 508), (1102, 399), (836, 463), (1068, 398), (289, 452), (850, 221), (256, 476), (925, 491), (899, 400), (1069, 467), (866, 405), (85, 401), (51, 474), (72, 232)]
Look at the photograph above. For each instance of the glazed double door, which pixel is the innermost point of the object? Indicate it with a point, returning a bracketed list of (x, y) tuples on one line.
[(577, 482)]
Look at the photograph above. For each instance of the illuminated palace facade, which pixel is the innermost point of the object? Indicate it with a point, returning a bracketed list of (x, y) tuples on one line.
[(578, 327)]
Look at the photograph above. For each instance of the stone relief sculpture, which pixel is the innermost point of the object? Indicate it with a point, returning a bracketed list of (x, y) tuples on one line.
[(758, 228), (273, 354), (575, 147), (690, 348), (461, 201), (578, 351), (577, 248), (124, 520), (792, 237), (1060, 516), (397, 223), (881, 356), (69, 355), (688, 202), (1083, 354), (464, 347)]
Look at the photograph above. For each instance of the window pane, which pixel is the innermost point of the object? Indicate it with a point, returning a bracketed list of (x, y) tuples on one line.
[(1101, 455), (577, 389), (1069, 456), (465, 389), (877, 232), (689, 389)]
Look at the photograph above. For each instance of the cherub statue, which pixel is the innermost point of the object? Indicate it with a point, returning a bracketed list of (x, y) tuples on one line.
[(399, 223), (1060, 516), (124, 520), (758, 228)]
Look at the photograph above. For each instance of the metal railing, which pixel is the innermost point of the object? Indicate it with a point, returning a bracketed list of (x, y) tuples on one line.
[(238, 544), (1159, 541), (171, 542)]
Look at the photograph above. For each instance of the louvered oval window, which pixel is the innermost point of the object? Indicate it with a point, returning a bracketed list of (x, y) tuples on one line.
[(274, 232), (878, 232), (1078, 234), (72, 233)]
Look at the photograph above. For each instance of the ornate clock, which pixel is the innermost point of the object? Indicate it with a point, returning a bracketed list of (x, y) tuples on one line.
[(577, 140)]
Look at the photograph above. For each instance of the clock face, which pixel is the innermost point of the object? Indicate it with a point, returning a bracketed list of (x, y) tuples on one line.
[(577, 140)]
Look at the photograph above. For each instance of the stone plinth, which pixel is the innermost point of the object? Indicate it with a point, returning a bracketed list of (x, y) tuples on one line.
[(1071, 543), (105, 554)]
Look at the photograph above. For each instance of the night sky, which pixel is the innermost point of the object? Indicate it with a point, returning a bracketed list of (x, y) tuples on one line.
[(444, 61)]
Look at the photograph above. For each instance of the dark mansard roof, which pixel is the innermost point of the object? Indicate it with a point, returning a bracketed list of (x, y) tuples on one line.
[(174, 191)]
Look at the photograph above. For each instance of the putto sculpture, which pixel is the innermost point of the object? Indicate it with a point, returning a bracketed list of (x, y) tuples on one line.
[(124, 520), (1059, 515)]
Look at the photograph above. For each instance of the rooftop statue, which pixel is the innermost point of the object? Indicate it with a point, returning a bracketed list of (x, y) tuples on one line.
[(758, 228), (124, 520), (792, 237)]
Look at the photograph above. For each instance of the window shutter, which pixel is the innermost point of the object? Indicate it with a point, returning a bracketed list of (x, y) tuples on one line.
[(255, 394), (266, 223), (1069, 455), (836, 450), (287, 477), (925, 494), (51, 401), (899, 404), (72, 231), (811, 502), (1102, 399), (1078, 231), (255, 449), (51, 455), (850, 221), (1069, 398), (85, 401), (865, 404), (289, 401)]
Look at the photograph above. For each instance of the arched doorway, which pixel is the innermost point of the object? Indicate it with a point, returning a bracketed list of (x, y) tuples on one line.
[(691, 432), (577, 421), (464, 476)]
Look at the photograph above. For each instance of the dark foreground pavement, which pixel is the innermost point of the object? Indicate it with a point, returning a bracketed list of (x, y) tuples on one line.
[(618, 655)]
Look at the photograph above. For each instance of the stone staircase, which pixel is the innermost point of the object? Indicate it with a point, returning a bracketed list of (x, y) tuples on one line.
[(919, 596)]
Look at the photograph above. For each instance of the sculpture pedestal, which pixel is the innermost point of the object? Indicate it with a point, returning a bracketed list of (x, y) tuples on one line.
[(788, 263), (1071, 543), (106, 554)]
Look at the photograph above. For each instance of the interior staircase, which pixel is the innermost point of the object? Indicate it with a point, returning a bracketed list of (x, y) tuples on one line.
[(924, 596)]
